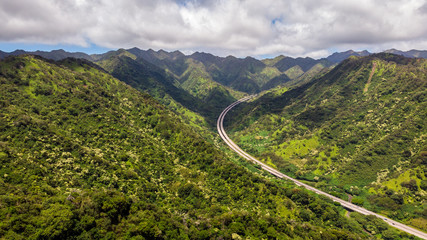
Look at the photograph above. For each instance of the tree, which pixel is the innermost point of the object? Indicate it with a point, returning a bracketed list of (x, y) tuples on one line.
[(390, 234), (411, 185), (55, 221)]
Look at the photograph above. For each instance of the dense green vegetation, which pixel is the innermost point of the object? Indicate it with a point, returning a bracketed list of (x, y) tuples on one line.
[(247, 75), (150, 79), (359, 130), (197, 87), (85, 156), (196, 99)]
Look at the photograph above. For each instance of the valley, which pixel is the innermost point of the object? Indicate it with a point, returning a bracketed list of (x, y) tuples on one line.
[(213, 120), (316, 133), (124, 144), (345, 204)]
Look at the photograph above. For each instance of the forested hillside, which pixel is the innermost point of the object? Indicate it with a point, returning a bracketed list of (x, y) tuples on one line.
[(358, 132), (202, 97), (85, 156), (247, 75)]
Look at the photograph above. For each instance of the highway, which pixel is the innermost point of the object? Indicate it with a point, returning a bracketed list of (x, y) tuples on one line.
[(278, 174)]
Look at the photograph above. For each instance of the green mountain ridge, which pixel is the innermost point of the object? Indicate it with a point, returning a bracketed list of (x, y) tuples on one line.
[(142, 75), (191, 75), (242, 74), (205, 76), (85, 156), (358, 129)]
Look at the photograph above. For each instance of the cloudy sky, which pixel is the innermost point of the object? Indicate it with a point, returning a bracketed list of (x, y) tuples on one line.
[(223, 27)]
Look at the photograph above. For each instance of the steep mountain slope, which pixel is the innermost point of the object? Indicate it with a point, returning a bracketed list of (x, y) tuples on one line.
[(287, 62), (197, 81), (206, 67), (359, 130), (241, 74), (148, 77), (142, 75), (229, 74), (191, 76), (172, 62), (295, 71), (85, 156)]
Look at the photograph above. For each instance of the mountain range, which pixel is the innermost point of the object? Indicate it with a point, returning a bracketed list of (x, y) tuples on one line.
[(153, 56), (248, 75), (86, 156), (123, 145)]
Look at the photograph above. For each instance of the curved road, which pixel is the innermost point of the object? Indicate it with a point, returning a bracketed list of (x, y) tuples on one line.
[(278, 174)]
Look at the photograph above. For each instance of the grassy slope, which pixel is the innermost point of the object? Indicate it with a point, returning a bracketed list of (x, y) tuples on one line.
[(85, 156), (214, 96), (347, 141)]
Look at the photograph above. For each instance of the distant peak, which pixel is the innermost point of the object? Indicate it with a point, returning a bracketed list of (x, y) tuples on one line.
[(19, 51), (135, 48), (201, 54), (177, 52), (58, 51), (340, 56)]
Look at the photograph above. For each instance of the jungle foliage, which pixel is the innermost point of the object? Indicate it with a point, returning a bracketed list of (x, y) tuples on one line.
[(358, 130), (85, 156)]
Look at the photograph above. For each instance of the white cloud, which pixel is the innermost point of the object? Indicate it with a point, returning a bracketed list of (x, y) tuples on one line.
[(238, 27)]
